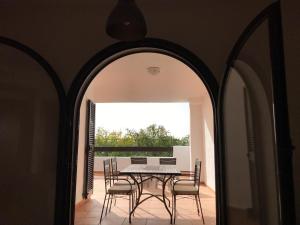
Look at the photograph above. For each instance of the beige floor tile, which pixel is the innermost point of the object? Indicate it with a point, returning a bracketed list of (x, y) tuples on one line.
[(135, 221), (151, 212), (87, 221)]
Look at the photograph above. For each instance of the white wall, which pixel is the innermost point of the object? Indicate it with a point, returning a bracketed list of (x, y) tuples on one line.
[(183, 155), (202, 138), (236, 146), (209, 145), (196, 136)]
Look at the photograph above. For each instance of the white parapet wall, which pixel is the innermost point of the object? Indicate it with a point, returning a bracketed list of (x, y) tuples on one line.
[(181, 153), (183, 156)]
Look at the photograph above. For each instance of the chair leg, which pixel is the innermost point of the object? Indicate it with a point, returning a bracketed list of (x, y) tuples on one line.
[(133, 197), (112, 197), (201, 208), (174, 208), (132, 202), (102, 209), (197, 203), (129, 205), (109, 196)]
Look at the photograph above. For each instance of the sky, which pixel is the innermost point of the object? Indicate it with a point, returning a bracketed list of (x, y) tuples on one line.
[(175, 117)]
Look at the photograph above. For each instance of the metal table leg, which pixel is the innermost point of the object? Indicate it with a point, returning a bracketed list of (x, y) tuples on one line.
[(140, 193), (165, 181), (140, 189)]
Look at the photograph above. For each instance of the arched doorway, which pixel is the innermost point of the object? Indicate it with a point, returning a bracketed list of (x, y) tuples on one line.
[(251, 158), (260, 46), (115, 52), (33, 113)]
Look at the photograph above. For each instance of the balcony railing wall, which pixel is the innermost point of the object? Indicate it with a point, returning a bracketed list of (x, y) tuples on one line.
[(182, 153)]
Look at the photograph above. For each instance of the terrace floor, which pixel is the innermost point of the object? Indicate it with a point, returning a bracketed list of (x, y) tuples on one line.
[(151, 212)]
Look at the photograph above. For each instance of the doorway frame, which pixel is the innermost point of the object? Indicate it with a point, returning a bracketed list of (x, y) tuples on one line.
[(60, 210), (283, 145), (107, 56)]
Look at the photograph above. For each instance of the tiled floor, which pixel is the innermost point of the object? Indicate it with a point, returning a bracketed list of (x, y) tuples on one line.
[(151, 212)]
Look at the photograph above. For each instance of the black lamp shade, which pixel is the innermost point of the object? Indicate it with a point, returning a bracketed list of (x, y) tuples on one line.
[(126, 22)]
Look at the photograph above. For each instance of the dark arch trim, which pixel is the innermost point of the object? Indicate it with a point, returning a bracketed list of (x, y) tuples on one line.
[(62, 112), (271, 14), (40, 60), (107, 56), (247, 33)]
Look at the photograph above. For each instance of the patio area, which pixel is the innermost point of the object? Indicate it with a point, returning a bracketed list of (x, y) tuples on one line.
[(151, 212)]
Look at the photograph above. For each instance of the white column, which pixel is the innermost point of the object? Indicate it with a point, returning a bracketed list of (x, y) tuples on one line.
[(197, 136), (209, 146)]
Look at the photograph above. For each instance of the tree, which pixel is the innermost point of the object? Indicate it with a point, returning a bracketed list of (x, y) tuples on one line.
[(151, 136)]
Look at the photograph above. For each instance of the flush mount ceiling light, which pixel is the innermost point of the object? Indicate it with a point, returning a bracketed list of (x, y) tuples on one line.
[(126, 22), (153, 70)]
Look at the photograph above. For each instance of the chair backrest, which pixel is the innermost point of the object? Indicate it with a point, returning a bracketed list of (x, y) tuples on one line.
[(107, 172), (167, 161), (197, 172), (114, 169), (138, 160)]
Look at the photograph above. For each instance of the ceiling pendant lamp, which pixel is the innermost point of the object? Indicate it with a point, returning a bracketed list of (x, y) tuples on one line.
[(126, 22)]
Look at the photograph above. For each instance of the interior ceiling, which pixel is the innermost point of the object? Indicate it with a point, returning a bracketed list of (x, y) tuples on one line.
[(128, 80), (69, 32)]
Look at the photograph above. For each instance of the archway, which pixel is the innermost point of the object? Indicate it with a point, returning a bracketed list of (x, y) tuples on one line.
[(266, 24), (251, 158), (33, 116), (115, 52)]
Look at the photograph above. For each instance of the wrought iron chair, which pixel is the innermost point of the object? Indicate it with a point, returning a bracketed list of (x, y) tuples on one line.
[(115, 174), (187, 187), (112, 190)]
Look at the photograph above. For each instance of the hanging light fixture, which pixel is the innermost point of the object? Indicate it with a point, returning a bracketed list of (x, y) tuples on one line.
[(126, 22)]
